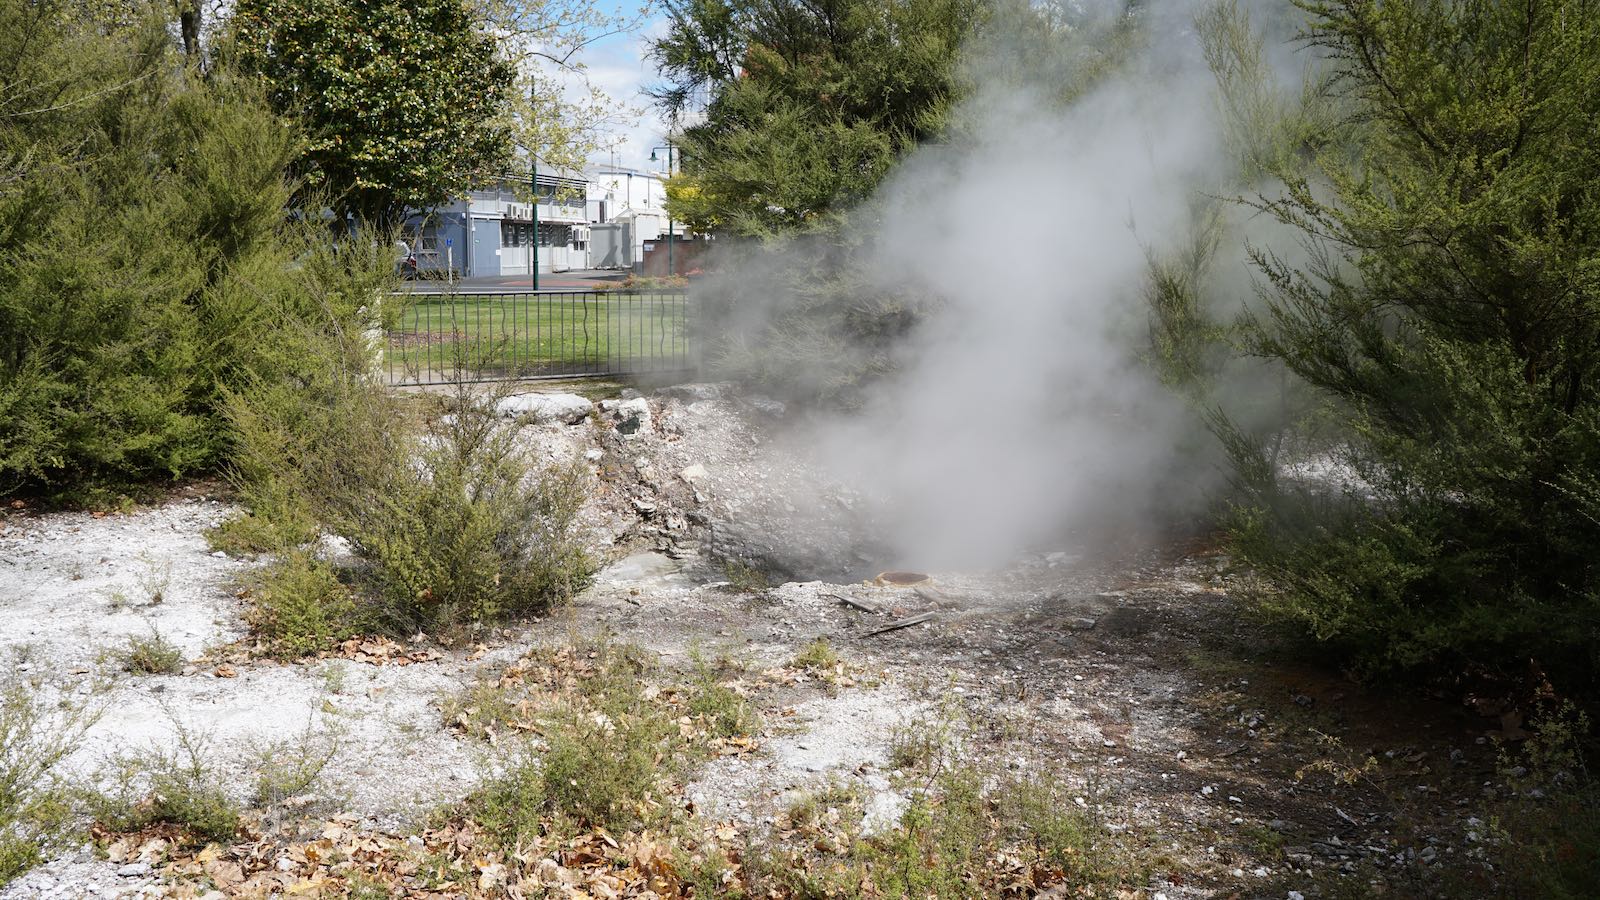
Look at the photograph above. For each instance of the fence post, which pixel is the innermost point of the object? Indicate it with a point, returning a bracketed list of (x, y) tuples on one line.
[(374, 335)]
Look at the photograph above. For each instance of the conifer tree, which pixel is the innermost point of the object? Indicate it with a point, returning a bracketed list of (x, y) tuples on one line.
[(1447, 312)]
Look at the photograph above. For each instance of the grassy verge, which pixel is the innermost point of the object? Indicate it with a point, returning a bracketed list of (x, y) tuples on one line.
[(531, 334)]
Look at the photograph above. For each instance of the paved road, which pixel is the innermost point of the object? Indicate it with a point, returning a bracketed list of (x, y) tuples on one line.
[(577, 280)]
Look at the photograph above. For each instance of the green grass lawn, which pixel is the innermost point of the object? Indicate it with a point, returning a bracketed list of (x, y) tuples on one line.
[(527, 335)]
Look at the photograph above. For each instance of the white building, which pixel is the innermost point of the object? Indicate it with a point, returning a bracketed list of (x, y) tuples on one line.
[(629, 209), (604, 220), (490, 232)]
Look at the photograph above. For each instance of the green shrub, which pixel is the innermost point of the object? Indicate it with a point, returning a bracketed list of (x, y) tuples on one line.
[(152, 654), (817, 656), (745, 578), (177, 787), (276, 526), (962, 815), (612, 750), (598, 771), (300, 607), (456, 525), (607, 774), (145, 262), (287, 769), (725, 712), (1440, 305), (34, 808)]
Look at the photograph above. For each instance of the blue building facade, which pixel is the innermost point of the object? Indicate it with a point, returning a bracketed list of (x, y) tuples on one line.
[(490, 232)]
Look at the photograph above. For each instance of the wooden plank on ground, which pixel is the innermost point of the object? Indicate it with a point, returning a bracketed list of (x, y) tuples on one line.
[(907, 622), (862, 605)]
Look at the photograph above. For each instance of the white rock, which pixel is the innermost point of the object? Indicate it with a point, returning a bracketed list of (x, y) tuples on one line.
[(768, 406), (883, 813), (631, 416), (697, 392), (693, 473), (546, 409)]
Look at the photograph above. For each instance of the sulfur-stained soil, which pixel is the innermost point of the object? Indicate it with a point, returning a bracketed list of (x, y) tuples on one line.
[(1217, 754)]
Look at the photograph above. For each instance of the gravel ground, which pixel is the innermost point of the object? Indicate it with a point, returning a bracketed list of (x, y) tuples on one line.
[(1125, 675)]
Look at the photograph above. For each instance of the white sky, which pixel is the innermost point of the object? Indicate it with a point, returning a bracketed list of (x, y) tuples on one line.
[(619, 66)]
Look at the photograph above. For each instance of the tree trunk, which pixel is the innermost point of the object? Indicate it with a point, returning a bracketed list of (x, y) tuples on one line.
[(189, 19)]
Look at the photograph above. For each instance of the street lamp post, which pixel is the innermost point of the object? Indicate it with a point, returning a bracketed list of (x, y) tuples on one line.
[(533, 245), (672, 235)]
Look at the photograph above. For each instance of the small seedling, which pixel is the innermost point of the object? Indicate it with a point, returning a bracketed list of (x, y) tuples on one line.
[(333, 678), (817, 656), (152, 655), (155, 580), (287, 769), (744, 577)]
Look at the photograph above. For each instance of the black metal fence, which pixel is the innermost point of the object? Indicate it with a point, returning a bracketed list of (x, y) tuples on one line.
[(452, 337)]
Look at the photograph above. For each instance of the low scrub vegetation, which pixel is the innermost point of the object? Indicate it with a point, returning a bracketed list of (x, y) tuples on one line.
[(962, 828), (1546, 835), (298, 606), (35, 808), (178, 788), (745, 578), (151, 654), (608, 740), (616, 736), (453, 525), (591, 745), (286, 769)]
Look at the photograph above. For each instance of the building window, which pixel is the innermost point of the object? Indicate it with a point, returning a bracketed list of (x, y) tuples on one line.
[(509, 236)]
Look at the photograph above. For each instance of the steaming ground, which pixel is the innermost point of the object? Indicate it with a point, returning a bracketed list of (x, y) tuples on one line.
[(1127, 676), (1023, 402)]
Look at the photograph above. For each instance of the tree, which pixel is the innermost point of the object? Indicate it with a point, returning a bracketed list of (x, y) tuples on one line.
[(559, 114), (807, 105), (1447, 312), (404, 102), (145, 261)]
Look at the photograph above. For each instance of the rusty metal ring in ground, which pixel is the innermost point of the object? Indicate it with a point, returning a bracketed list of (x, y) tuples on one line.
[(901, 579)]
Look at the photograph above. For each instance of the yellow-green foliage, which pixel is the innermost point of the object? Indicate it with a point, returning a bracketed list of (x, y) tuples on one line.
[(744, 577), (618, 735), (298, 606), (817, 656), (179, 787), (152, 654), (962, 817)]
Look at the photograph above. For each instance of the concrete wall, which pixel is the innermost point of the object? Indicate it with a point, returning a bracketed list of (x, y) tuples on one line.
[(611, 246)]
